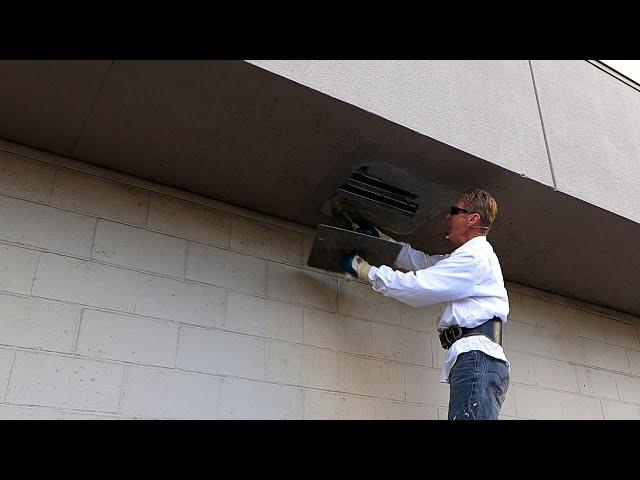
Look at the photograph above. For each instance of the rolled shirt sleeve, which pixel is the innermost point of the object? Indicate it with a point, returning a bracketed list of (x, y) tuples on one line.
[(448, 279)]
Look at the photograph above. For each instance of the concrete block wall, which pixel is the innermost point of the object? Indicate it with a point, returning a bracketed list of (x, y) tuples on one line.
[(120, 298)]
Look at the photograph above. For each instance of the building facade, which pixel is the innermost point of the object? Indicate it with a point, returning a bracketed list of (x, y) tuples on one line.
[(155, 227)]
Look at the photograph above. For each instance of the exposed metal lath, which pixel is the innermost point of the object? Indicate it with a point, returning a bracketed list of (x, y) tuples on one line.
[(371, 188)]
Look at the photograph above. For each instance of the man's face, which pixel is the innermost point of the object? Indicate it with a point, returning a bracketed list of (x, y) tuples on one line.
[(458, 225)]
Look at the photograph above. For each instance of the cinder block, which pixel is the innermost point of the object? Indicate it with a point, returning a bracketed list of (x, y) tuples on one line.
[(85, 282), (552, 316), (622, 335), (389, 410), (634, 362), (354, 374), (226, 269), (602, 355), (189, 220), (159, 393), (540, 313), (567, 347), (324, 329), (301, 286), (244, 399), (588, 325), (181, 301), (64, 382), (266, 241), (443, 414), (629, 388), (620, 411), (509, 404), (45, 227), (438, 353), (221, 353), (11, 412), (387, 342), (18, 268), (138, 248), (357, 336), (39, 324), (25, 178), (547, 343), (320, 368), (283, 362), (401, 344), (98, 197), (356, 408), (597, 383), (6, 360), (127, 338), (540, 404), (424, 319), (366, 376), (318, 405), (522, 338), (507, 417), (385, 379), (423, 385), (555, 374), (522, 368), (264, 318), (359, 300)]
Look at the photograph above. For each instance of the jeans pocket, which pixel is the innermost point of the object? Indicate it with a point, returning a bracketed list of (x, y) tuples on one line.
[(500, 394), (466, 362), (498, 381)]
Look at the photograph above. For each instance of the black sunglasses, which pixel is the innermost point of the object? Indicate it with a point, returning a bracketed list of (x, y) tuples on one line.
[(456, 210)]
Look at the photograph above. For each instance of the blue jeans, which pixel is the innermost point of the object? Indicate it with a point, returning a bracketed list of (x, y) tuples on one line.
[(478, 386)]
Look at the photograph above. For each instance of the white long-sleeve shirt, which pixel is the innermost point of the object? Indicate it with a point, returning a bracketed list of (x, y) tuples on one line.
[(468, 282)]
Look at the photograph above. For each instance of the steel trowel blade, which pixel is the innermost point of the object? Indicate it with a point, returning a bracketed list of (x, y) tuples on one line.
[(332, 243)]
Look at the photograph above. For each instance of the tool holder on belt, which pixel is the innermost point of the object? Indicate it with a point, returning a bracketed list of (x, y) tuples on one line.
[(492, 329)]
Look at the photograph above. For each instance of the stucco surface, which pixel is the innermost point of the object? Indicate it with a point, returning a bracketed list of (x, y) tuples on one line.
[(592, 122), (46, 102), (487, 108)]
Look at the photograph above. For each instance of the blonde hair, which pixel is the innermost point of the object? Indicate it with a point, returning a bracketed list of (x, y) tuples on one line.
[(481, 202)]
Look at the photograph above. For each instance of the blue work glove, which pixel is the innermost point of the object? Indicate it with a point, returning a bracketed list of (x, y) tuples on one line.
[(355, 266), (366, 227)]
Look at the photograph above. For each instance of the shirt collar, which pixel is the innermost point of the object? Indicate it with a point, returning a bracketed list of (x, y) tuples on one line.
[(473, 243)]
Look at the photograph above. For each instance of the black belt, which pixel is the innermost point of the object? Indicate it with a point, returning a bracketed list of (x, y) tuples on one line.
[(492, 329)]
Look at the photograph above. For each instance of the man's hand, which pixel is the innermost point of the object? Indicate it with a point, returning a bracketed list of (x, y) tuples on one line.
[(366, 227), (355, 266)]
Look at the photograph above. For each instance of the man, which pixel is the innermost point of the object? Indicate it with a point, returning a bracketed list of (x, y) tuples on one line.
[(469, 284)]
